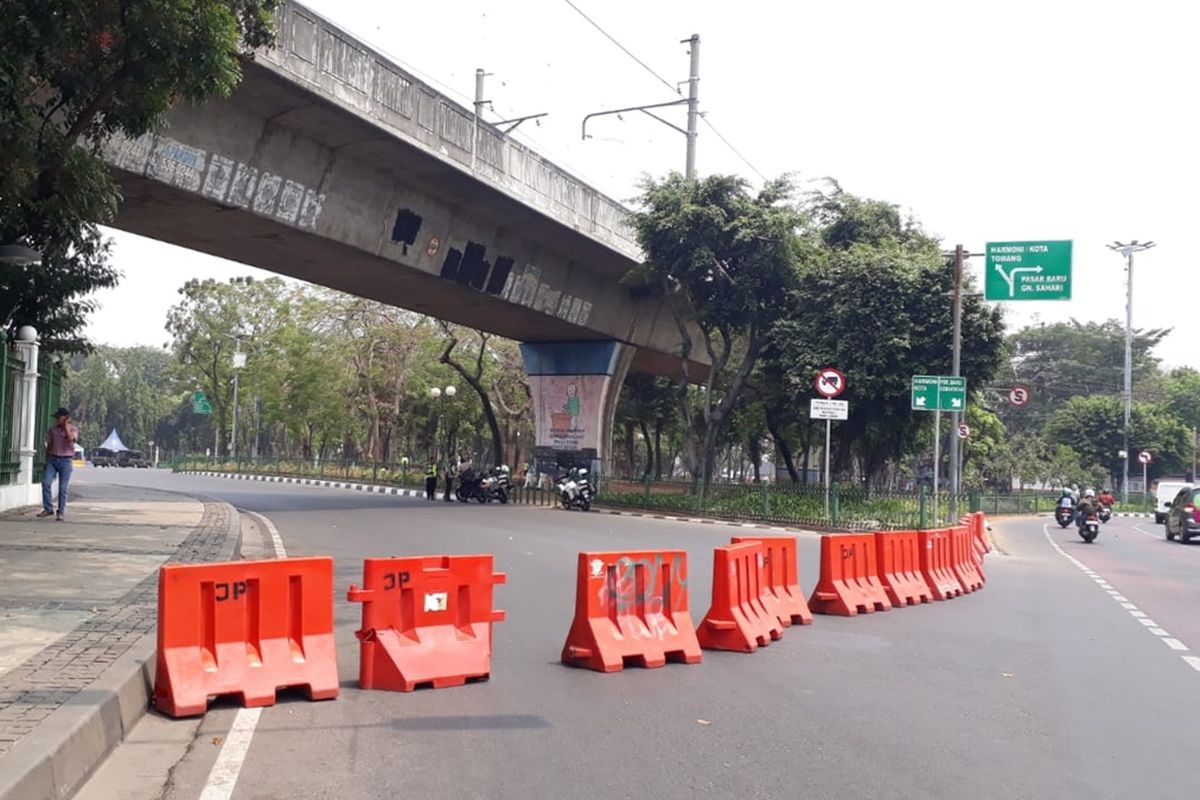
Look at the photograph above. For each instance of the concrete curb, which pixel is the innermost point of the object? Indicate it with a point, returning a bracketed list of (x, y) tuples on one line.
[(369, 488), (64, 750)]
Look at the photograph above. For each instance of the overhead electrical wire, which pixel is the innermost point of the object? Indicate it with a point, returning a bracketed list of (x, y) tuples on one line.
[(673, 87)]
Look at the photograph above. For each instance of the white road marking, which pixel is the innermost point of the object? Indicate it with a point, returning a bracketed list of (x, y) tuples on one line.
[(1140, 616), (1148, 533), (223, 777), (224, 774)]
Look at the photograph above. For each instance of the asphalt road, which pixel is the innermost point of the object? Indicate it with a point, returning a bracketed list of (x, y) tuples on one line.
[(1042, 685)]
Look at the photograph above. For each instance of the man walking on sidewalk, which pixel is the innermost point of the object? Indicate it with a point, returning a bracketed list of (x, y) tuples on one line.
[(60, 450)]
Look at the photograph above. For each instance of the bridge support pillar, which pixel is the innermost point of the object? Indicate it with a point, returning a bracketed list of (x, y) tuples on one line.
[(575, 386)]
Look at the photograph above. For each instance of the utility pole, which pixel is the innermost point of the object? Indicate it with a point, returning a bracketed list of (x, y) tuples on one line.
[(956, 371), (693, 118), (692, 102), (480, 102), (1128, 250)]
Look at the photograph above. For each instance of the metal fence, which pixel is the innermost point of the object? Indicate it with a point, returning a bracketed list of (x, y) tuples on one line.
[(849, 507), (49, 394), (11, 411)]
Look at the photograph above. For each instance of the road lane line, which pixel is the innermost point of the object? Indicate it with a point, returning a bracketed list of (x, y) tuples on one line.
[(223, 777), (1149, 624), (224, 774)]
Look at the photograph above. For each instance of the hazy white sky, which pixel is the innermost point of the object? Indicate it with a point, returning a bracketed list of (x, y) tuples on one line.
[(990, 121)]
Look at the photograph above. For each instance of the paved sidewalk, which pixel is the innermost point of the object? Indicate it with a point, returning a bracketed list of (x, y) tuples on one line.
[(77, 614)]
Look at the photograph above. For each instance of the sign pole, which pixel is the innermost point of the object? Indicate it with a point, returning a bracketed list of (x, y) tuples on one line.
[(955, 362), (828, 427), (1145, 485), (937, 457)]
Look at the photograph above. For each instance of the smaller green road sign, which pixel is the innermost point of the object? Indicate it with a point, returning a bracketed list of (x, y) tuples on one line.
[(939, 393), (1028, 271), (200, 404)]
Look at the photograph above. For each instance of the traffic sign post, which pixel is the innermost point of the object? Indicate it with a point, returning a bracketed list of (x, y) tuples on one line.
[(830, 382), (1028, 271), (200, 404), (829, 410), (1145, 458), (939, 393)]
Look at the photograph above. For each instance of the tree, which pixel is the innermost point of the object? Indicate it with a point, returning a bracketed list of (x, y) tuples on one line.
[(878, 308), (1072, 358), (73, 74), (726, 259), (1093, 426), (207, 324)]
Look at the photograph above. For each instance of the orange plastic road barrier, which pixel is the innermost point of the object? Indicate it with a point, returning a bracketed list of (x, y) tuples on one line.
[(963, 559), (899, 557), (849, 580), (781, 589), (739, 619), (631, 606), (978, 526), (936, 564), (245, 628), (427, 620)]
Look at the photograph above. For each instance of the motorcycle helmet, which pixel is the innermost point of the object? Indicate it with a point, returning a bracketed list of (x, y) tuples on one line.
[(1090, 493)]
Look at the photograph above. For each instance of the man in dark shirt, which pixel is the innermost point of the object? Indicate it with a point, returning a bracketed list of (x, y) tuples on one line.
[(60, 451)]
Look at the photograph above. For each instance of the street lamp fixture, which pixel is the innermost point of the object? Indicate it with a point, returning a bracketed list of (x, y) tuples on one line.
[(437, 393), (1128, 250), (18, 255)]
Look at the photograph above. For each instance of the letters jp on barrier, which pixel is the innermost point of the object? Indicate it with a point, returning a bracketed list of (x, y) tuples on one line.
[(631, 606), (244, 628), (426, 620)]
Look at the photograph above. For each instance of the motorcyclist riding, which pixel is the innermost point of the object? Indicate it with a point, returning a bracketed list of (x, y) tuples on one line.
[(1087, 506), (1106, 499)]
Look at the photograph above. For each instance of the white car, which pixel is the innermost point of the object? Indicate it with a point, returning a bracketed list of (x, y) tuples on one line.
[(1164, 495)]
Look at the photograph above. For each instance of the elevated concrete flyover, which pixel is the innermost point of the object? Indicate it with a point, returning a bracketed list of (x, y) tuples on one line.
[(332, 164)]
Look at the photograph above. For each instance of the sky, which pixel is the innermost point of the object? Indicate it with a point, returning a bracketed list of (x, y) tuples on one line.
[(986, 121)]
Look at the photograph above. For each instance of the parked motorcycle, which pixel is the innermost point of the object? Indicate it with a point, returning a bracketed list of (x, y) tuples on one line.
[(1105, 513), (575, 490), (470, 487), (1064, 514), (497, 485), (1090, 528)]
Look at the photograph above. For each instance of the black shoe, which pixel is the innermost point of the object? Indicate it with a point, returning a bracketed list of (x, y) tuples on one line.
[(44, 514), (58, 517)]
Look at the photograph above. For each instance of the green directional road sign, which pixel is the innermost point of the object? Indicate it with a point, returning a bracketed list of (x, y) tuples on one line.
[(939, 393), (1028, 271), (200, 404)]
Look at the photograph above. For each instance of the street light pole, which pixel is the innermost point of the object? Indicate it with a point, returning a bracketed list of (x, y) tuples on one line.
[(239, 361), (1128, 250)]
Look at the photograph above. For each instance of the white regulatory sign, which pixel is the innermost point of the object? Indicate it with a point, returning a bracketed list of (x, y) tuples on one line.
[(828, 409), (1145, 457)]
